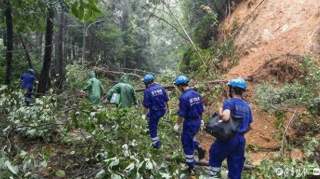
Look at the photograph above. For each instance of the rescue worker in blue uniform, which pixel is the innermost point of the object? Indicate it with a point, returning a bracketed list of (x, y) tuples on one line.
[(27, 81), (233, 150), (190, 113), (155, 102)]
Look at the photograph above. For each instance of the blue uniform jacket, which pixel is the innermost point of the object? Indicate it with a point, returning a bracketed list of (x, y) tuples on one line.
[(155, 97), (190, 106), (240, 109), (27, 80)]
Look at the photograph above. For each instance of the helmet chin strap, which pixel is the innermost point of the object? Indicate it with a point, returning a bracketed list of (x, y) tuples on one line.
[(185, 88), (148, 84), (230, 92)]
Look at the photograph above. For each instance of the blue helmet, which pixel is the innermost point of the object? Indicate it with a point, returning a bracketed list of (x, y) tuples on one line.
[(181, 80), (30, 70), (148, 78), (238, 83)]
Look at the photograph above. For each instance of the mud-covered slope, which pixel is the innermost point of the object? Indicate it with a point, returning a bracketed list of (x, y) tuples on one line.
[(268, 29), (270, 37)]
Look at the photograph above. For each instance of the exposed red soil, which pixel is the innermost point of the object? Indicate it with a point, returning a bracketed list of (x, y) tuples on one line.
[(271, 37), (272, 28)]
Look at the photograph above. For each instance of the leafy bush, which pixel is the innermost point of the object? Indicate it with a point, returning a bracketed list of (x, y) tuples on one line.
[(226, 49), (284, 167), (304, 93), (76, 76), (314, 106), (37, 120), (167, 76), (312, 79), (271, 98), (203, 67), (125, 146), (206, 30), (24, 165), (209, 63), (10, 101), (7, 169)]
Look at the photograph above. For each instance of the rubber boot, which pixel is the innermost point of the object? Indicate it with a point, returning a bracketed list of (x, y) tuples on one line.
[(191, 171), (157, 145), (215, 174)]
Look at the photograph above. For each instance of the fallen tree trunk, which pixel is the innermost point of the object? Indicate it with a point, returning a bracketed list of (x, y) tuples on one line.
[(171, 87), (214, 82), (101, 70)]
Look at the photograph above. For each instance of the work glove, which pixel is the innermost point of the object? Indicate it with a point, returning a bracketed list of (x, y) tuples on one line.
[(202, 125), (176, 127), (144, 117)]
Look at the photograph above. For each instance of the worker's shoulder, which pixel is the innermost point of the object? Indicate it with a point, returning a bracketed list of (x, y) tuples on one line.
[(190, 93), (127, 85), (237, 101), (96, 79), (155, 86), (27, 75)]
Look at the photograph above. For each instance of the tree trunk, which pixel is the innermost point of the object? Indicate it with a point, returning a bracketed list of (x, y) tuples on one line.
[(124, 28), (44, 76), (26, 52), (60, 61), (9, 43)]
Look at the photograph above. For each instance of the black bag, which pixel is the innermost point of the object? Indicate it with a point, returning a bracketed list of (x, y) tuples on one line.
[(220, 129)]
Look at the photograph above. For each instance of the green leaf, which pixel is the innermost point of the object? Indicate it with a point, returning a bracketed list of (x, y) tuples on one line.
[(115, 162), (81, 10), (116, 176), (100, 174), (165, 175), (129, 168), (12, 169), (60, 173), (74, 9), (149, 165)]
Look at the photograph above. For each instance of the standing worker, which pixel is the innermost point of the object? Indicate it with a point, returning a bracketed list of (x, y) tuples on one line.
[(125, 91), (94, 88), (190, 113), (233, 149), (27, 81), (155, 101)]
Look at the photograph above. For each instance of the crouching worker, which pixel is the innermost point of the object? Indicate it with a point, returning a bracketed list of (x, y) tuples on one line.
[(190, 113), (155, 102), (233, 149), (27, 81)]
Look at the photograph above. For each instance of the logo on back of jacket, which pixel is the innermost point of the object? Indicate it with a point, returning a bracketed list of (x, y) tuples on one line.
[(194, 101), (242, 109), (157, 92)]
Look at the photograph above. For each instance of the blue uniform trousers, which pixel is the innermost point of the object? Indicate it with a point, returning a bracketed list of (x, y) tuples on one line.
[(189, 143), (28, 96), (232, 150), (153, 120)]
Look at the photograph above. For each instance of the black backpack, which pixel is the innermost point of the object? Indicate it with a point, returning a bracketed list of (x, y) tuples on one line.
[(220, 129)]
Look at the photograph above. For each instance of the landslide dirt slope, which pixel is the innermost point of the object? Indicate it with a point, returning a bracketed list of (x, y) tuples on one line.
[(271, 32), (271, 28)]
